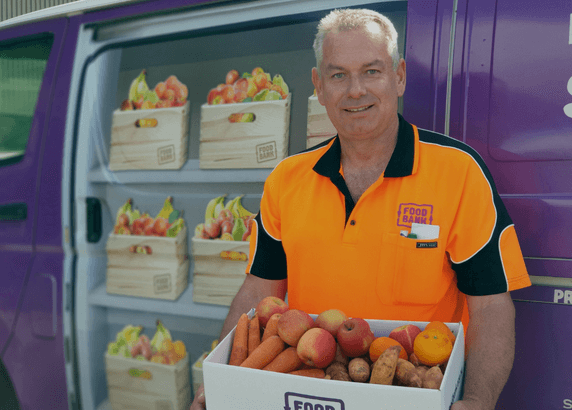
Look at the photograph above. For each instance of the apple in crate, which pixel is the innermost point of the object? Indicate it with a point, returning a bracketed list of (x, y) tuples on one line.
[(355, 337), (405, 335), (269, 306), (331, 320), (293, 324), (317, 348)]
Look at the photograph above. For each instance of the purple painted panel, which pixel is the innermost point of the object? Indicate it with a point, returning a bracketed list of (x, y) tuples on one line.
[(557, 268), (531, 71), (543, 225), (35, 356), (540, 378), (19, 185)]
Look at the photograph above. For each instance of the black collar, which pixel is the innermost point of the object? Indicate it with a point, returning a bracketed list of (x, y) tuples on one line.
[(400, 164)]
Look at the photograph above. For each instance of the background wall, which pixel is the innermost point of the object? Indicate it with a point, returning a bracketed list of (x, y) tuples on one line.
[(13, 8)]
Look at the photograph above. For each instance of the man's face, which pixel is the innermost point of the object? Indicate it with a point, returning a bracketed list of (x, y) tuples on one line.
[(358, 85)]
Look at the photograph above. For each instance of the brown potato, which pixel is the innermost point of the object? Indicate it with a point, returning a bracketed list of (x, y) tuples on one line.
[(359, 370)]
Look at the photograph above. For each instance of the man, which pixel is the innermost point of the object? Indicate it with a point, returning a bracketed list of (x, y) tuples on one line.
[(335, 222)]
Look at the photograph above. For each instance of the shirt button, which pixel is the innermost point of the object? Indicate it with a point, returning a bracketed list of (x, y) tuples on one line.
[(352, 222)]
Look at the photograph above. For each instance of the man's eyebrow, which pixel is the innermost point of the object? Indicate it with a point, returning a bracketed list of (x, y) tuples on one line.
[(333, 67)]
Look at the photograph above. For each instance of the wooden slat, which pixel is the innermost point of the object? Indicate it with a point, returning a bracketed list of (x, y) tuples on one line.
[(164, 146), (319, 127), (262, 143)]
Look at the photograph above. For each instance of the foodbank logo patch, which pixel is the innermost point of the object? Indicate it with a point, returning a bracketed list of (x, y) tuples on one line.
[(296, 401)]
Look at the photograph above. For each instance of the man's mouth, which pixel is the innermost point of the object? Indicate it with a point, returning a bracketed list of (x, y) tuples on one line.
[(360, 109)]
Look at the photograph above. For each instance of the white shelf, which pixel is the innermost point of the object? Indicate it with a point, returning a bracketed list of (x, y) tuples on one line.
[(190, 172), (183, 306)]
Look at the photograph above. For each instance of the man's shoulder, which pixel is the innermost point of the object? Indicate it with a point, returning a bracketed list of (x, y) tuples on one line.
[(442, 141), (306, 159)]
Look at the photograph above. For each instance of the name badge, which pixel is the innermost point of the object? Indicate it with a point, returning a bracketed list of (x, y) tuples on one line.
[(426, 245)]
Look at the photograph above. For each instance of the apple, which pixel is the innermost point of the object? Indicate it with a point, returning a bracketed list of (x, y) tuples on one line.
[(405, 335), (317, 347), (232, 76), (225, 215), (268, 307), (160, 226), (160, 89), (293, 324), (214, 92), (227, 94), (226, 227), (331, 320), (355, 337), (213, 227)]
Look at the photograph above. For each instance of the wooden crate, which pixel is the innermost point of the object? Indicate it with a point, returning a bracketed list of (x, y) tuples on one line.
[(162, 274), (149, 139), (197, 372), (219, 269), (143, 385), (262, 143), (320, 128)]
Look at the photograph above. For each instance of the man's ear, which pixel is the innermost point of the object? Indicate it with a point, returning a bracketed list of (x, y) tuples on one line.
[(401, 77), (317, 81)]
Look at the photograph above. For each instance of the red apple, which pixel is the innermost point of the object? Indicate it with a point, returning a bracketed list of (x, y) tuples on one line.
[(269, 306), (225, 215), (317, 347), (293, 324), (226, 227), (405, 335), (137, 228), (232, 76), (331, 320), (214, 92), (160, 226), (355, 337), (227, 94), (213, 228)]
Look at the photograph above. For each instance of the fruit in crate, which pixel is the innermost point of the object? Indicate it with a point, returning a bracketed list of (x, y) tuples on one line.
[(129, 343), (229, 222), (169, 93), (257, 85), (167, 223)]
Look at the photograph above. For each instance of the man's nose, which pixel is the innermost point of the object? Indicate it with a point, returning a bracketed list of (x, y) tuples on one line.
[(356, 87)]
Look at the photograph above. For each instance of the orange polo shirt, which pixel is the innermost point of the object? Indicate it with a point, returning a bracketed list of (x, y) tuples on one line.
[(352, 256)]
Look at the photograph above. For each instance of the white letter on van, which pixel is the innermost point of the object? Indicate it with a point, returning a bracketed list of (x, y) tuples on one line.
[(558, 294)]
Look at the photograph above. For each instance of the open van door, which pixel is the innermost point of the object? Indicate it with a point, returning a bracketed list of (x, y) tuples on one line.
[(30, 294)]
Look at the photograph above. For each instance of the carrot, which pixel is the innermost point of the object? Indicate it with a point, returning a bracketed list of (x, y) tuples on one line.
[(285, 362), (253, 334), (264, 353), (271, 328), (314, 372), (239, 350)]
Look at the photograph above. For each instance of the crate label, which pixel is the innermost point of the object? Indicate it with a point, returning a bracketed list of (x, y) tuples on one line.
[(295, 401), (144, 374), (162, 283), (233, 256), (166, 154), (266, 152)]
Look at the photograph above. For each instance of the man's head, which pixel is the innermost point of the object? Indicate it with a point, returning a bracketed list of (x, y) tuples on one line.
[(359, 81), (351, 19)]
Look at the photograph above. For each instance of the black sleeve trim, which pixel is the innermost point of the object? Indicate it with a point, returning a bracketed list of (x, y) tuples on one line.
[(269, 260), (483, 274)]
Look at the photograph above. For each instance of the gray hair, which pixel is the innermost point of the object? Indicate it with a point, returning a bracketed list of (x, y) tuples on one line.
[(350, 19)]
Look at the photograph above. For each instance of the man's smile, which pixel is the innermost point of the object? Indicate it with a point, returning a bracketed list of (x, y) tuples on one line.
[(358, 109)]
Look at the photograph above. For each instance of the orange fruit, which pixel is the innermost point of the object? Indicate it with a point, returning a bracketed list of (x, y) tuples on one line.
[(432, 347), (379, 345), (436, 324)]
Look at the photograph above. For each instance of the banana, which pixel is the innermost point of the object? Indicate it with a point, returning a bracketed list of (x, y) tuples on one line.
[(212, 206), (241, 210), (167, 208), (138, 86), (231, 205)]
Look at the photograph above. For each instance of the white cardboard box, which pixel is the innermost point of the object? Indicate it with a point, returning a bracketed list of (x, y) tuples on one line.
[(233, 387)]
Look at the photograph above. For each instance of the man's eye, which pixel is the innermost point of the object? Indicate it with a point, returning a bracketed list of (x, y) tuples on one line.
[(372, 71), (338, 75)]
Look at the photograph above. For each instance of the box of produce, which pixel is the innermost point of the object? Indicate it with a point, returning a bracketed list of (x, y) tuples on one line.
[(320, 128), (146, 256), (330, 361), (220, 249), (245, 122), (145, 373), (150, 129)]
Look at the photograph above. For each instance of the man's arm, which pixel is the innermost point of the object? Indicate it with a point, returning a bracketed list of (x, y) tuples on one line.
[(490, 350), (252, 291)]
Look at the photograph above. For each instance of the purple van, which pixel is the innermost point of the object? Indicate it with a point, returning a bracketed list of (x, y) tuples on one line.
[(495, 74)]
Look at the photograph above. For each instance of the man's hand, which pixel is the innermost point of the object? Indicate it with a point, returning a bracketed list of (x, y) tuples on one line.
[(466, 405), (199, 402)]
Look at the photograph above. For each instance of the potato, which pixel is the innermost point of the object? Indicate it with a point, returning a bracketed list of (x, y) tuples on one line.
[(433, 378), (406, 375), (359, 370), (384, 367)]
